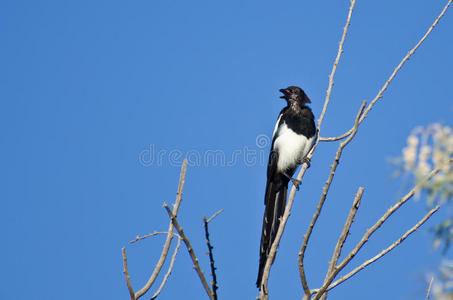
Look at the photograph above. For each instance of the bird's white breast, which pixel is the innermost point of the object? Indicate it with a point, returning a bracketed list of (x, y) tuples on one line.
[(291, 147)]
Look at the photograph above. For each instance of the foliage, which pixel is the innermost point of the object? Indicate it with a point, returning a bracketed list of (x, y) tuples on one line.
[(427, 148)]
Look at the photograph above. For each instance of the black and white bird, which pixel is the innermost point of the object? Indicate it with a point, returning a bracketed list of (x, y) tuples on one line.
[(294, 136)]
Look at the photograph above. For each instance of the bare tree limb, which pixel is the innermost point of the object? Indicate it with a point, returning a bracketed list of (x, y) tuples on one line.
[(323, 199), (335, 64), (344, 234), (170, 268), (190, 250), (385, 251), (330, 277), (392, 76), (139, 238), (387, 214), (406, 58), (400, 65), (211, 255), (335, 138), (215, 215), (126, 275), (347, 226), (166, 247), (429, 288)]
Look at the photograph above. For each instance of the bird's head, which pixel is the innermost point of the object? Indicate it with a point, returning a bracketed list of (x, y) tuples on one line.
[(294, 94)]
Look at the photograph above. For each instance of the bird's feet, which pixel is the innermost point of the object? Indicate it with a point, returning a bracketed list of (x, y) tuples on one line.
[(307, 161), (296, 183)]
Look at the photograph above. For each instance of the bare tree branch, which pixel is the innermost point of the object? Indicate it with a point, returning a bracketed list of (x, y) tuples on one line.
[(335, 64), (347, 226), (335, 138), (215, 215), (170, 268), (344, 234), (387, 214), (400, 65), (392, 76), (166, 247), (211, 255), (126, 275), (190, 250), (429, 287), (323, 199), (406, 58), (139, 238), (330, 277), (385, 251)]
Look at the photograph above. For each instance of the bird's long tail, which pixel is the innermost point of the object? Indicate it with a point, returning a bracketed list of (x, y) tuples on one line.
[(275, 200)]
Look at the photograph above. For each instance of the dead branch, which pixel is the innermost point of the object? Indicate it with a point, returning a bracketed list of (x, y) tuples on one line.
[(169, 238), (344, 234), (429, 287), (335, 138), (335, 64), (215, 215), (189, 247), (126, 275), (170, 268), (392, 76), (330, 277), (385, 251), (139, 238), (323, 199), (211, 255)]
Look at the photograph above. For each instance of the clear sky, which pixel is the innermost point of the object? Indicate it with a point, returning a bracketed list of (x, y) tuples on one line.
[(90, 89)]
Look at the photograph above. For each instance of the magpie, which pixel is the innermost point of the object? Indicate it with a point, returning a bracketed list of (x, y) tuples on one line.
[(294, 135)]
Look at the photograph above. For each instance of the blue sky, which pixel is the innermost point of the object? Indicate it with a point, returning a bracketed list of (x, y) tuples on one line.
[(87, 86)]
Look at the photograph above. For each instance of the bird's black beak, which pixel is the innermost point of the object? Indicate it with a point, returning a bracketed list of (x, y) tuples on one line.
[(285, 93)]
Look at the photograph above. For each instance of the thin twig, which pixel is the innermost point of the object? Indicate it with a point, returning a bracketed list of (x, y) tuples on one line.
[(281, 228), (335, 138), (126, 275), (139, 238), (211, 255), (190, 250), (344, 234), (323, 198), (169, 238), (170, 268), (429, 288), (385, 251), (335, 64), (347, 226), (215, 215)]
